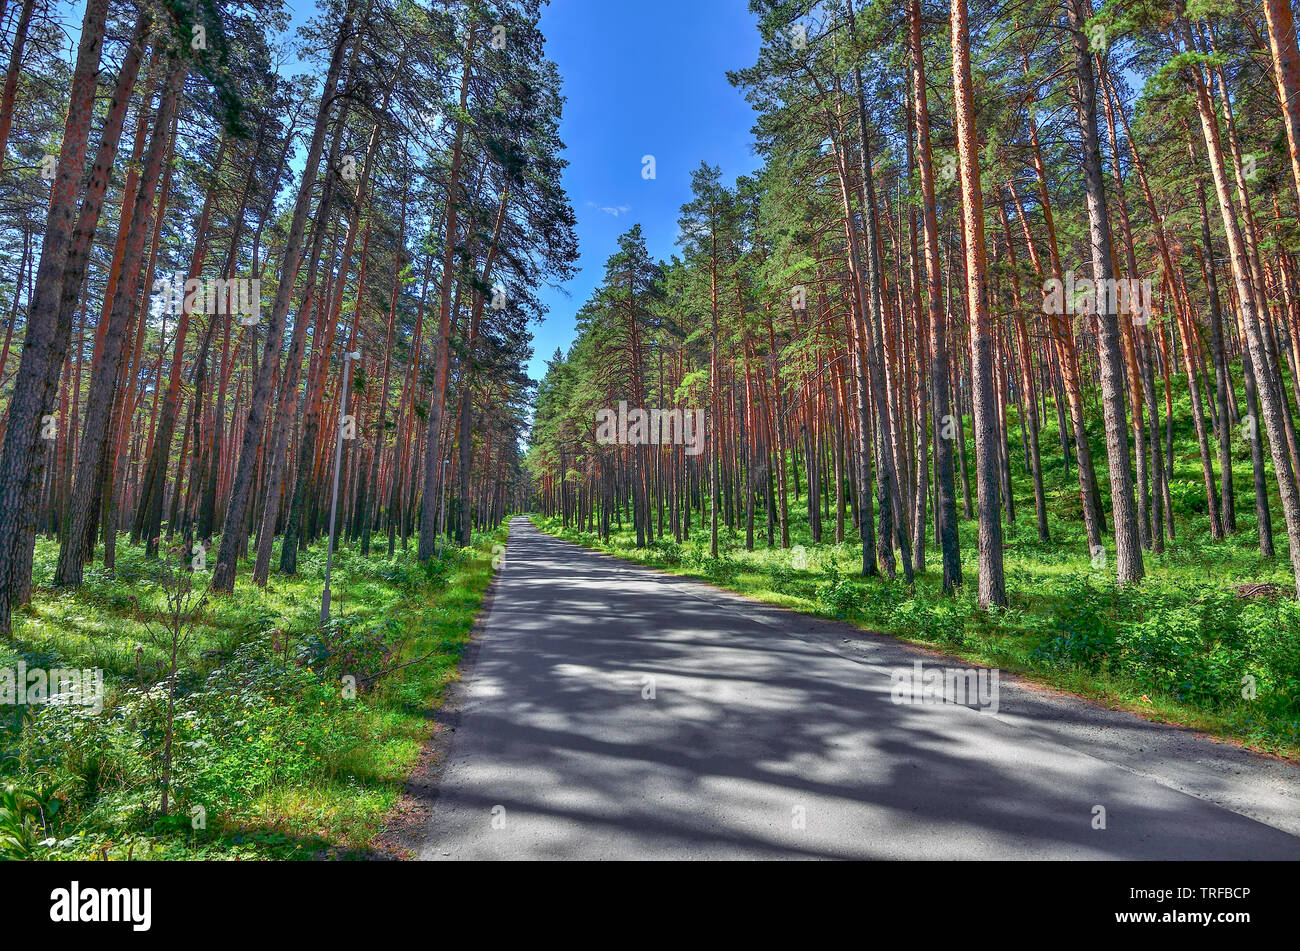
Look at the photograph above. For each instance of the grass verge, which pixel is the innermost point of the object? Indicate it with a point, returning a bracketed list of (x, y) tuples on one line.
[(289, 740)]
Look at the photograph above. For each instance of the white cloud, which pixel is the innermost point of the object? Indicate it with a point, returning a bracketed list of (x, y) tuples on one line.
[(614, 210)]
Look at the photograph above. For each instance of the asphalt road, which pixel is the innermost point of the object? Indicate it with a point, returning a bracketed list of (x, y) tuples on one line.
[(613, 712)]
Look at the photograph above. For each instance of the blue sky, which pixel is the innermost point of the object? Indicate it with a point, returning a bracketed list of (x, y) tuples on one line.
[(642, 77)]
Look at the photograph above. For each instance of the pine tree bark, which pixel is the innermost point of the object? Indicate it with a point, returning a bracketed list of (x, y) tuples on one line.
[(1270, 396), (1128, 546), (1286, 76), (433, 461), (223, 574), (946, 501), (42, 359), (992, 583), (73, 545), (10, 94)]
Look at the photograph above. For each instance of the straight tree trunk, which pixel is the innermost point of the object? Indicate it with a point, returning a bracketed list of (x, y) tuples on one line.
[(10, 93), (223, 573), (433, 462), (41, 358), (1128, 545), (992, 584), (946, 501), (1270, 396), (99, 404)]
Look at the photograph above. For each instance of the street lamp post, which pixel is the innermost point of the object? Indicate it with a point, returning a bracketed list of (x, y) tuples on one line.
[(334, 498)]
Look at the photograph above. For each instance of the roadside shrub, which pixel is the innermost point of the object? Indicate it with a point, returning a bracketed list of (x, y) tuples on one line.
[(1163, 651), (838, 592), (404, 573), (240, 745), (1273, 640), (1203, 650), (786, 580), (345, 646), (666, 551), (722, 569), (878, 599), (1077, 648), (930, 620), (1085, 631)]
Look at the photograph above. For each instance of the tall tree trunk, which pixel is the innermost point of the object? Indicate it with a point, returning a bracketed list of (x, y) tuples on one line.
[(223, 574), (99, 403), (433, 462), (946, 501), (992, 584), (1286, 75), (1128, 545), (1273, 405), (10, 94), (42, 359)]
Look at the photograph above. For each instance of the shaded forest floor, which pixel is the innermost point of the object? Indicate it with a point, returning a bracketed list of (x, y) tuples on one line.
[(1177, 647), (275, 755)]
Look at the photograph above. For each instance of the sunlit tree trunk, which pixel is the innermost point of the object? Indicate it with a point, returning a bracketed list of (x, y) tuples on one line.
[(992, 584), (1128, 547)]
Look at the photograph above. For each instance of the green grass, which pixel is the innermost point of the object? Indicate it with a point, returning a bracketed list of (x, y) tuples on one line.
[(276, 755), (1177, 647)]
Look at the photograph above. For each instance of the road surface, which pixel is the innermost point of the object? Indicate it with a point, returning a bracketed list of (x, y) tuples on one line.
[(612, 712)]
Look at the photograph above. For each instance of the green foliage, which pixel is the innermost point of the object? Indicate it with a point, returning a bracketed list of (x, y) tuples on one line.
[(837, 592), (346, 647), (277, 721), (721, 570), (786, 579), (25, 818), (665, 550), (929, 619), (1085, 632)]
